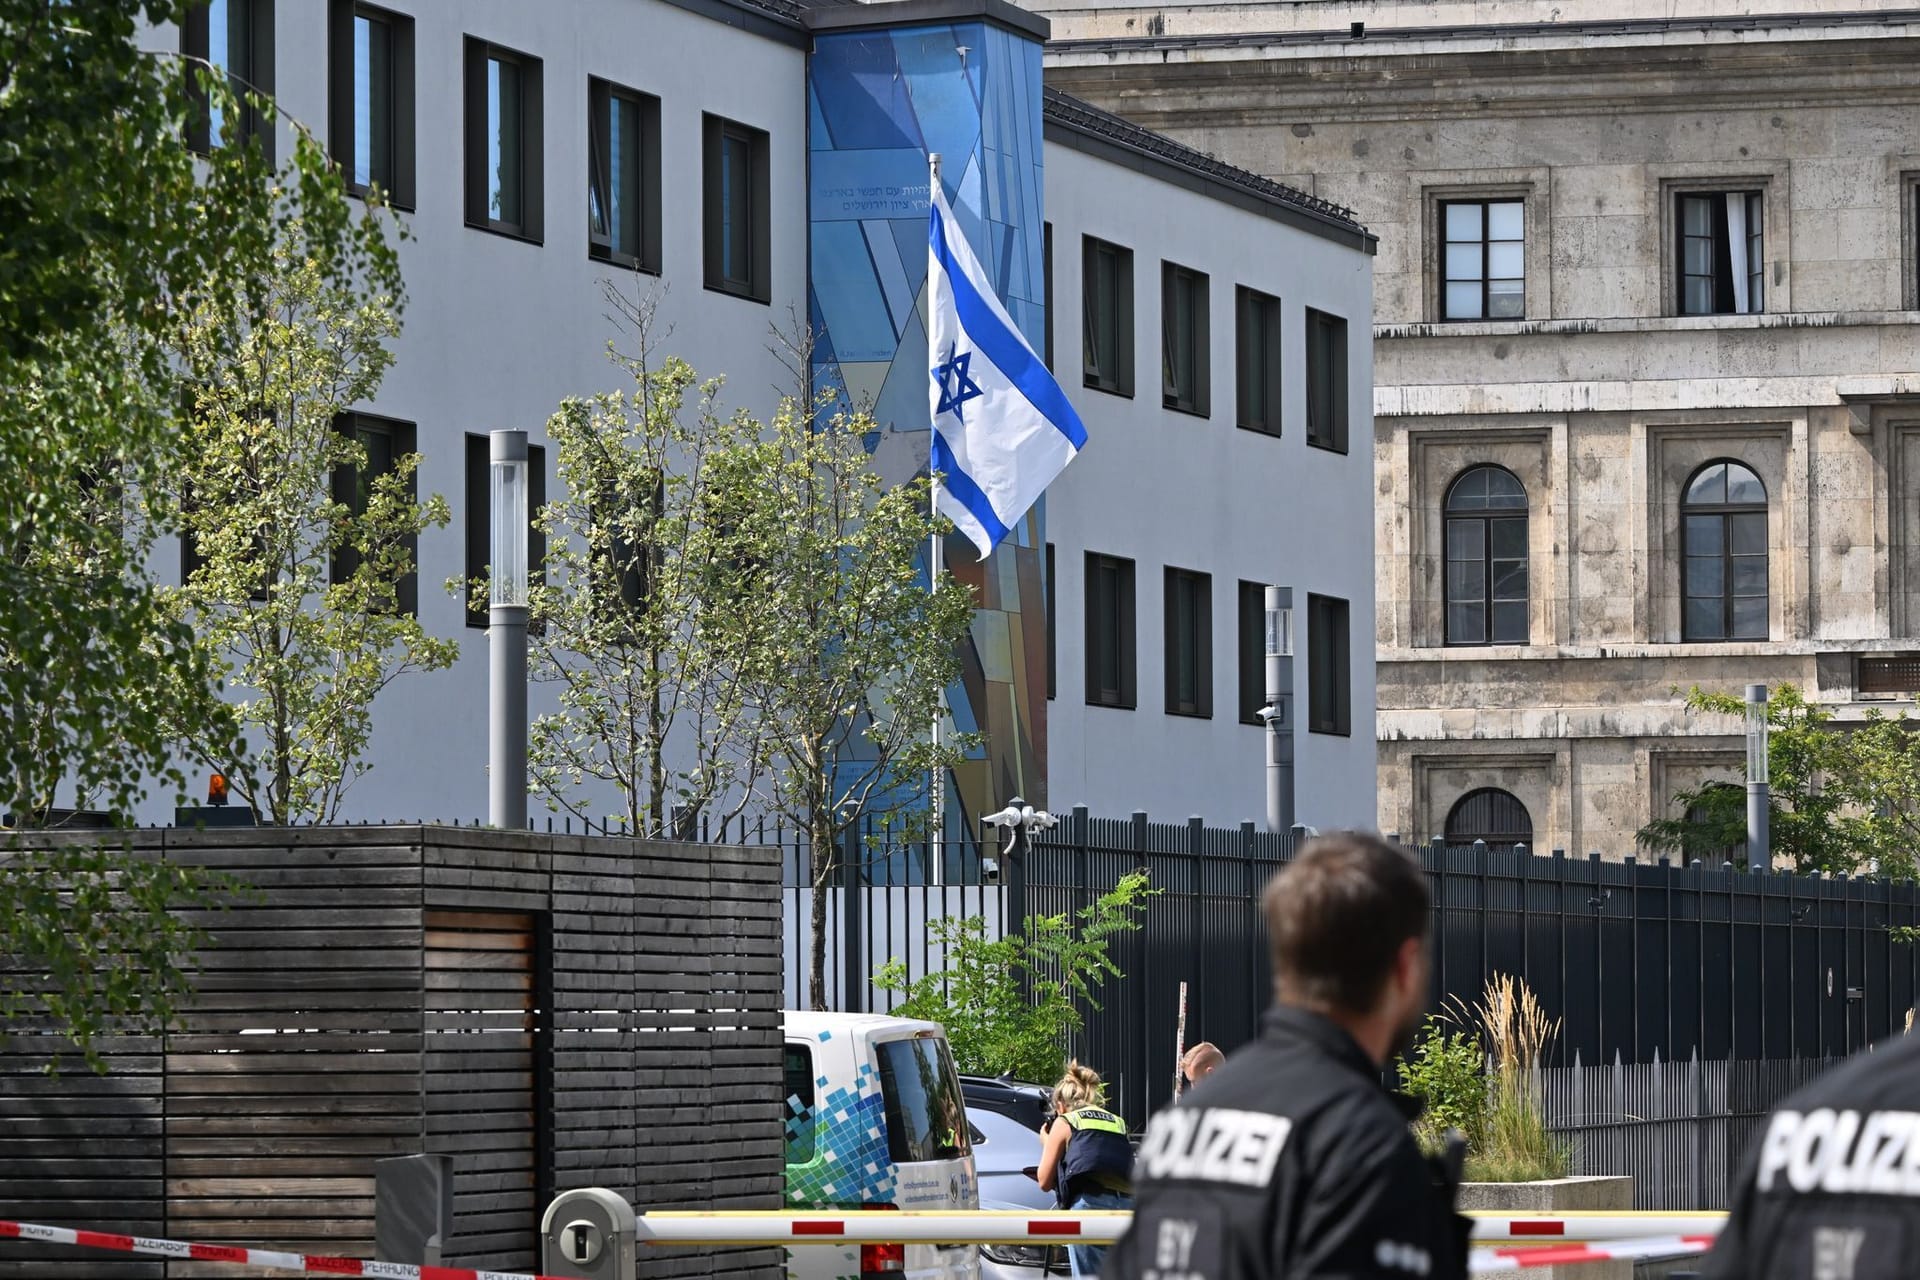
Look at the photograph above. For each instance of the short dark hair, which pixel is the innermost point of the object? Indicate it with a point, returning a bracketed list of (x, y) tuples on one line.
[(1337, 917)]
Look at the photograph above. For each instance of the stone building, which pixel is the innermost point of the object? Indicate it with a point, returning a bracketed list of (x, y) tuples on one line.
[(1647, 310)]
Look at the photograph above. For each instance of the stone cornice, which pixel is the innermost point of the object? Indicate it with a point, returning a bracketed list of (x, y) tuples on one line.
[(1197, 88)]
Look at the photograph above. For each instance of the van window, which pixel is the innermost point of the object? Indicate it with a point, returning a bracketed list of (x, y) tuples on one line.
[(800, 1126), (926, 1116)]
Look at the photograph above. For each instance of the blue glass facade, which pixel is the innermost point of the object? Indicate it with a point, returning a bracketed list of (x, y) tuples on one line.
[(879, 101)]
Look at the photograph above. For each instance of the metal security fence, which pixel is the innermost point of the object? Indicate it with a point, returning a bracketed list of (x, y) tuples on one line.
[(1645, 962), (1684, 1130)]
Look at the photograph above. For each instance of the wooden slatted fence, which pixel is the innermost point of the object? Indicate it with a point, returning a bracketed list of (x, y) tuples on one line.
[(552, 1012)]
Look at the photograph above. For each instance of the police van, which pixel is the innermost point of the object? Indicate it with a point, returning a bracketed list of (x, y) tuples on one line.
[(875, 1120)]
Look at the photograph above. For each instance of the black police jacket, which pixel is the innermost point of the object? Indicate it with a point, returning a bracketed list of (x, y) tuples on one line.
[(1833, 1190), (1289, 1162)]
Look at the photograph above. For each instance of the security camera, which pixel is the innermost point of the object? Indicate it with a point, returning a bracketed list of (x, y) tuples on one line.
[(989, 871)]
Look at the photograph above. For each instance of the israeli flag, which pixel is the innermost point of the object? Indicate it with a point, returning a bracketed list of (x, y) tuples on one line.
[(1002, 428)]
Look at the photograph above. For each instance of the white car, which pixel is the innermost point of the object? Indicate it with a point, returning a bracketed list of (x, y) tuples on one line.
[(875, 1120)]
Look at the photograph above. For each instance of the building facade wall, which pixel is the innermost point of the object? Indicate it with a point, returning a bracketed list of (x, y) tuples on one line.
[(1601, 399), (499, 329), (1169, 489)]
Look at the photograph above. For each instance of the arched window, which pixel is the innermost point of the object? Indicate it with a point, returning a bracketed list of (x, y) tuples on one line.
[(1486, 558), (1489, 814), (1723, 542)]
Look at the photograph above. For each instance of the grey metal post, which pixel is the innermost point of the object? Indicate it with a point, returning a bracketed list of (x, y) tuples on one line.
[(1759, 835), (507, 632), (1278, 713)]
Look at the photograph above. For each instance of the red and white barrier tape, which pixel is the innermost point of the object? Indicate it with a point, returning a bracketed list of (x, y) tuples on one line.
[(1483, 1262), (854, 1228), (304, 1263)]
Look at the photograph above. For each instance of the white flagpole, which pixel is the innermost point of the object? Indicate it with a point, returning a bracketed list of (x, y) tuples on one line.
[(935, 567)]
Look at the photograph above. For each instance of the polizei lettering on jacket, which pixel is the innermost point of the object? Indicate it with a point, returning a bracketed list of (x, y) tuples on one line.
[(1842, 1153), (1216, 1145)]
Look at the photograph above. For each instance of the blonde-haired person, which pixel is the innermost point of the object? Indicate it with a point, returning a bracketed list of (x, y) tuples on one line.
[(1085, 1158), (1197, 1063)]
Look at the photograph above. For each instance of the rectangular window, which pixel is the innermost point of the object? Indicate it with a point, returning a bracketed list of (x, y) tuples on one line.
[(1046, 266), (1253, 651), (1106, 291), (623, 176), (1189, 643), (504, 142), (738, 217), (386, 442), (1053, 632), (1326, 381), (479, 551), (1109, 642), (802, 1126), (1329, 667), (235, 39), (1722, 260), (1184, 375), (920, 1097), (370, 99), (1257, 355), (1483, 271)]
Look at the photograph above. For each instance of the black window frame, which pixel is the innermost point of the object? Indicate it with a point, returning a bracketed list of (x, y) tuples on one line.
[(479, 528), (1053, 627), (1326, 341), (1494, 798), (1455, 516), (531, 225), (1046, 296), (1187, 601), (1718, 276), (756, 285), (403, 439), (1105, 261), (1118, 687), (1252, 655), (798, 1100), (643, 251), (1329, 666), (1258, 360), (1485, 241), (342, 101), (255, 76), (1725, 514), (1186, 373)]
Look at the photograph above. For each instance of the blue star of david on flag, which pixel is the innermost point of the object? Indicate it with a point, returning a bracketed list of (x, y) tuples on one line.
[(994, 463), (956, 388)]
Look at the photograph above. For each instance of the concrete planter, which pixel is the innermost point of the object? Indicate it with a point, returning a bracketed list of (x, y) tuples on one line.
[(1562, 1195)]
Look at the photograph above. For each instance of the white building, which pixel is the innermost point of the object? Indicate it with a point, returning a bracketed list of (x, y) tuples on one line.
[(774, 179)]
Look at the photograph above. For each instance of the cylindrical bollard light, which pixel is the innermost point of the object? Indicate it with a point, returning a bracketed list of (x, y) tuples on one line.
[(507, 632)]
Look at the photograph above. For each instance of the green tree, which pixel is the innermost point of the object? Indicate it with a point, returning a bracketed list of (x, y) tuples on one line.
[(845, 652), (1009, 1004), (114, 231), (300, 543), (634, 626), (1844, 798)]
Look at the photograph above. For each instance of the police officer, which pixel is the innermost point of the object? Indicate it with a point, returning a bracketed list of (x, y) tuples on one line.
[(1292, 1161), (1085, 1157), (1833, 1193)]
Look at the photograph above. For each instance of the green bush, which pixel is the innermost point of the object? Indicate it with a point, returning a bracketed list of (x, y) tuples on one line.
[(1008, 1004), (1448, 1074)]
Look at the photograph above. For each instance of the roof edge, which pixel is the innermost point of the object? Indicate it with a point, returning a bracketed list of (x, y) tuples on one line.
[(1088, 129), (767, 20), (863, 14)]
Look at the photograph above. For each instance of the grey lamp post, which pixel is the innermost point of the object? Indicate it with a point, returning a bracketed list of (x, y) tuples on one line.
[(1759, 837), (1278, 713), (507, 632)]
